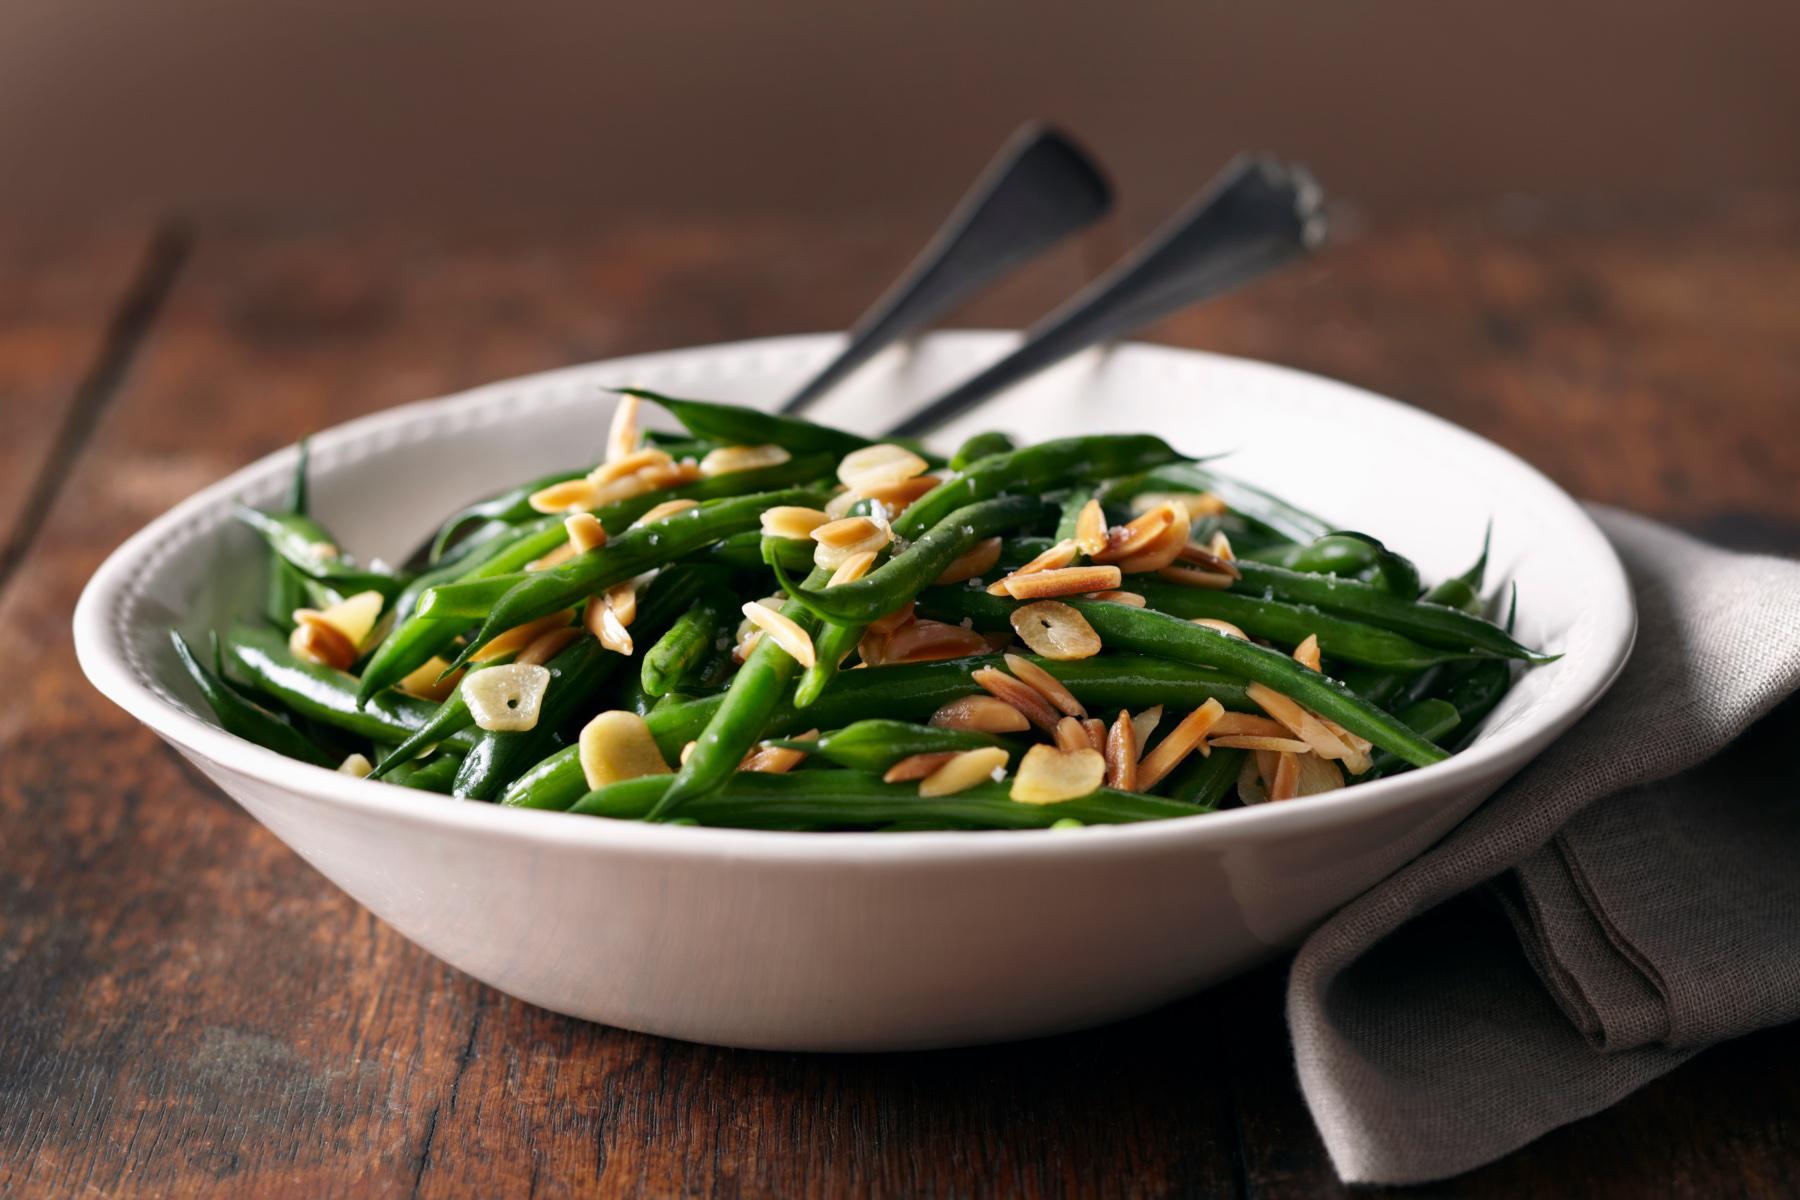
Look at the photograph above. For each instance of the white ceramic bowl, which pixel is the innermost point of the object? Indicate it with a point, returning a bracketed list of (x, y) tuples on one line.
[(870, 941)]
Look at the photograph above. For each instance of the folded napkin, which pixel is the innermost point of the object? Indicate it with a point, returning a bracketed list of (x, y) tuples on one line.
[(1651, 883)]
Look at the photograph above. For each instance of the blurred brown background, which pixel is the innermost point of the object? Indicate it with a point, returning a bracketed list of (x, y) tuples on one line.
[(831, 109)]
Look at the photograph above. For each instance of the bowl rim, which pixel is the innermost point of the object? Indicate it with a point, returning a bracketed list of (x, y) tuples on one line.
[(99, 634)]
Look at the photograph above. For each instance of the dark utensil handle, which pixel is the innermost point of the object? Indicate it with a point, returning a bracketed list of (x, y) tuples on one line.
[(1039, 189), (1254, 216)]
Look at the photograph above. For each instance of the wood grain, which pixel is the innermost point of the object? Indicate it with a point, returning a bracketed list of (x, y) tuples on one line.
[(192, 1011)]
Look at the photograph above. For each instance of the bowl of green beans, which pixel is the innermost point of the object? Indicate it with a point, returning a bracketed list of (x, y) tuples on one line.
[(638, 701)]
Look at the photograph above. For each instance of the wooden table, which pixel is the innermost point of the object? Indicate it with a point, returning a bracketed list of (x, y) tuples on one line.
[(188, 1009)]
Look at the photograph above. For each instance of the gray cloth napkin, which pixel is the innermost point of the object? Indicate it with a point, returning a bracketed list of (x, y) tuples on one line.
[(1652, 884)]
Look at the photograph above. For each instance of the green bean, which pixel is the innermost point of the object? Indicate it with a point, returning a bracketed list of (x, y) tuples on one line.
[(1394, 572), (907, 692), (286, 588), (242, 717), (905, 575), (1246, 501), (509, 507), (1433, 624), (1062, 462), (1070, 506), (1147, 632), (740, 719), (831, 647), (876, 745), (452, 715), (980, 446), (324, 695), (307, 546), (735, 425), (680, 652), (437, 775), (745, 552), (852, 799), (1205, 780), (631, 553), (1334, 554), (1432, 719)]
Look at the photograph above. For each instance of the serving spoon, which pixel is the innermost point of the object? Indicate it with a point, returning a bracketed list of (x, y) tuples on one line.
[(1038, 189), (1254, 216)]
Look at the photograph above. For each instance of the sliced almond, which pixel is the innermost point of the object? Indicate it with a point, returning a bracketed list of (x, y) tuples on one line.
[(1301, 723), (1143, 726), (852, 568), (600, 620), (429, 682), (872, 649), (1198, 504), (1196, 578), (932, 641), (1249, 782), (838, 540), (616, 746), (622, 599), (555, 558), (585, 532), (1206, 560), (1115, 596), (1234, 723), (626, 465), (964, 771), (316, 640), (665, 510), (1159, 554), (571, 495), (980, 714), (879, 466), (1318, 775), (356, 765), (1022, 697), (1273, 744), (1070, 734), (1054, 630), (622, 437), (1046, 685), (1307, 653), (506, 698), (976, 560), (788, 635), (1224, 627), (777, 760), (1122, 754), (1360, 747), (548, 645), (513, 640), (687, 751), (839, 506), (1068, 581), (727, 459), (1050, 776), (917, 766), (1055, 558), (1090, 529), (791, 521), (1178, 744), (896, 498), (1221, 547), (1286, 784)]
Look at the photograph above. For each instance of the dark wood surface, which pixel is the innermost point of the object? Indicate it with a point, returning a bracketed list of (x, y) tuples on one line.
[(190, 1010)]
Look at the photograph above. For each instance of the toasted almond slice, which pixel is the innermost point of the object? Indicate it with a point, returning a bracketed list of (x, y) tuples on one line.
[(687, 751), (983, 765), (1303, 724), (1246, 742), (1066, 581), (1206, 560), (616, 746), (777, 760), (622, 437), (727, 459), (1054, 630), (980, 713), (917, 766), (1096, 732), (613, 470), (1235, 723), (585, 532), (355, 765), (1286, 784), (548, 645), (1050, 776), (1046, 685), (931, 641), (1090, 529), (600, 620), (664, 511), (1122, 754), (318, 640), (879, 466), (1361, 748), (1004, 687), (1143, 726), (1249, 782), (555, 558), (1307, 653), (872, 649), (1055, 558), (1266, 762), (791, 521), (976, 560), (506, 698), (1160, 553), (1191, 577), (838, 540), (429, 681), (1136, 535), (852, 568), (896, 498), (788, 635), (355, 615), (622, 599), (1070, 734), (839, 506), (890, 623), (571, 495), (1318, 775), (1224, 627), (1221, 547), (1115, 596), (1178, 744), (1198, 504)]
